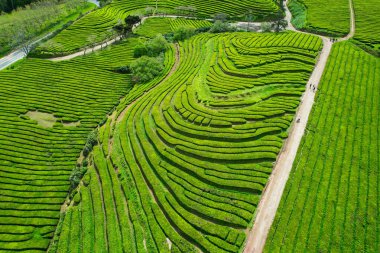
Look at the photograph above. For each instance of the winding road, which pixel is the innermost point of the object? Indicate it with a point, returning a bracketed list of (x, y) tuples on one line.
[(271, 197)]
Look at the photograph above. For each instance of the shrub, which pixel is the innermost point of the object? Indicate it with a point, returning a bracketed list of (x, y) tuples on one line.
[(140, 50), (220, 27), (123, 70), (91, 141), (183, 33), (152, 48), (156, 46), (76, 175), (146, 68), (266, 27)]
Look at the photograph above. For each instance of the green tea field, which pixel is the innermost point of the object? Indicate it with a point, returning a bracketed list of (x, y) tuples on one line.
[(45, 120), (97, 26), (188, 161), (331, 202), (190, 126)]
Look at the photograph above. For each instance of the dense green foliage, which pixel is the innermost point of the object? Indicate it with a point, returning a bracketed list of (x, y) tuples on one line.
[(98, 23), (36, 162), (319, 16), (146, 68), (153, 47), (221, 27), (331, 201), (10, 5), (183, 167), (367, 24), (37, 18)]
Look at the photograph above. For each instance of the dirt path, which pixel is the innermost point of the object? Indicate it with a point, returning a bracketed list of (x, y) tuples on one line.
[(352, 23), (172, 71), (271, 197)]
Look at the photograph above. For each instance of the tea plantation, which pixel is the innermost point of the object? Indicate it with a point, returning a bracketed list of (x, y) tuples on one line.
[(154, 26), (367, 30), (231, 125), (36, 161), (97, 26), (183, 168), (332, 17), (331, 201)]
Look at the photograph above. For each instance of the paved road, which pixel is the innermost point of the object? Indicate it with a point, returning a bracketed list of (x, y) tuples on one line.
[(271, 197), (17, 55), (11, 58)]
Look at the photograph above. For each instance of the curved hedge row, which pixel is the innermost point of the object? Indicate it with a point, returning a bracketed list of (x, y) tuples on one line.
[(183, 169), (154, 26), (96, 26), (36, 162), (317, 16), (367, 31)]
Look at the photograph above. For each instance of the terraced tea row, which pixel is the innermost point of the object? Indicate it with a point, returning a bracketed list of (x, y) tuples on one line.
[(317, 16), (331, 201), (154, 26), (36, 162), (182, 168), (333, 19), (97, 26), (367, 30)]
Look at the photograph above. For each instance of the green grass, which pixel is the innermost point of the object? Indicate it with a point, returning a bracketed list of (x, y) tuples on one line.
[(331, 201), (190, 170), (97, 25), (35, 161), (330, 18)]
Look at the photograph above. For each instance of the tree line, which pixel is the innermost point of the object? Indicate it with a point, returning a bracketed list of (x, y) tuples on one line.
[(28, 22)]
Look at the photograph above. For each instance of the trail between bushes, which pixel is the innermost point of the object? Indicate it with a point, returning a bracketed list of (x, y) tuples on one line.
[(272, 193), (171, 72), (109, 42)]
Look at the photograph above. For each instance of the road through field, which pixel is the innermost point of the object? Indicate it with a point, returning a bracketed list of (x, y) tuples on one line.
[(271, 197)]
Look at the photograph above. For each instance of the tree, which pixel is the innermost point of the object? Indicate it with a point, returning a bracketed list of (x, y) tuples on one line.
[(266, 27), (140, 50), (22, 37), (92, 40), (110, 33), (119, 29), (152, 48), (149, 10), (145, 69), (221, 17), (279, 25), (220, 27), (157, 45), (249, 19), (183, 33), (132, 20), (123, 29)]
